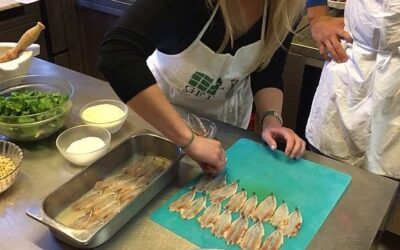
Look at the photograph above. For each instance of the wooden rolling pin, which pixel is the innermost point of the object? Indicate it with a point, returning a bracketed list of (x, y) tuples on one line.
[(29, 37)]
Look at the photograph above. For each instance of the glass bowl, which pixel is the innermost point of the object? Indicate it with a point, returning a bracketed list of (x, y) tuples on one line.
[(13, 152), (112, 125), (41, 125), (73, 134), (201, 126)]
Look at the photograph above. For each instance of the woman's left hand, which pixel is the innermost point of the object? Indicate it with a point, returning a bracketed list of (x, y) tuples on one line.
[(295, 146)]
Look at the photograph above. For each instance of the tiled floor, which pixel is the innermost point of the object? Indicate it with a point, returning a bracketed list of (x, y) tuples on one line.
[(389, 241)]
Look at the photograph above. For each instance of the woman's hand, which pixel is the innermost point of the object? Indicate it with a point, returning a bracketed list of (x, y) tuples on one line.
[(153, 106), (295, 146), (208, 153)]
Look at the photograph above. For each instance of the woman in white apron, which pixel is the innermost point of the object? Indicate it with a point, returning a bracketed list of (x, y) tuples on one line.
[(355, 116), (214, 84)]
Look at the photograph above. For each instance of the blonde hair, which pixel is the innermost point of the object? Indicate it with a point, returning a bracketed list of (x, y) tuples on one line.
[(282, 14)]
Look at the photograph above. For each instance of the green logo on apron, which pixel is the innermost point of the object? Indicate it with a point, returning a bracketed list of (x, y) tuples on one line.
[(202, 85)]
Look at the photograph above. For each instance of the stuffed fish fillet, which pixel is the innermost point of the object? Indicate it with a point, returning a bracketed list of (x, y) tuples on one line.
[(265, 210), (223, 193), (215, 183), (274, 241), (200, 185), (182, 202), (253, 237), (111, 181), (87, 202), (96, 217), (222, 224), (249, 206), (293, 227), (136, 169), (236, 202), (280, 219), (82, 221), (128, 194), (107, 211), (104, 200), (195, 207), (236, 231), (210, 215)]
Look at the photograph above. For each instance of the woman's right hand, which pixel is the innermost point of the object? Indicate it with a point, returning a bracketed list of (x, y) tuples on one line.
[(209, 153), (327, 32), (152, 106)]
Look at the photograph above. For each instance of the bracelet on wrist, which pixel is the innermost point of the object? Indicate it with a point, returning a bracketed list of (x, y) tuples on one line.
[(185, 146), (274, 114)]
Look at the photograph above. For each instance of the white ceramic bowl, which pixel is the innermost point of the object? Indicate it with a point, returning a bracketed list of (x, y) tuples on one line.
[(67, 137), (20, 65), (13, 152), (113, 125)]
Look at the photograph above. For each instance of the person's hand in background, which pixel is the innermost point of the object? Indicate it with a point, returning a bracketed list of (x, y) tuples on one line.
[(327, 31)]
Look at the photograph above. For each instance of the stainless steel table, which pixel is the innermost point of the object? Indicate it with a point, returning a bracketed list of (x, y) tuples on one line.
[(353, 224)]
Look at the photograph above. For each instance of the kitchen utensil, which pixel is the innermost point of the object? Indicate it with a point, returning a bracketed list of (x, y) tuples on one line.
[(144, 144), (19, 66), (29, 37)]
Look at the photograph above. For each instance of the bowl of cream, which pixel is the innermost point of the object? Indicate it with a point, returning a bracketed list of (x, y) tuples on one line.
[(108, 114), (83, 145)]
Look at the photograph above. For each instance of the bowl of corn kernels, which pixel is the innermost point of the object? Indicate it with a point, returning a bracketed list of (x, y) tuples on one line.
[(10, 160)]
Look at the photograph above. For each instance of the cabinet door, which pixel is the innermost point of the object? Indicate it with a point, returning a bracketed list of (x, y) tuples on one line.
[(62, 26), (93, 27), (62, 60), (71, 25), (55, 26)]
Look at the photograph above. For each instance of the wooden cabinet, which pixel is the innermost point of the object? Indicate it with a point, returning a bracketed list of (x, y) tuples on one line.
[(61, 33), (96, 17), (93, 25)]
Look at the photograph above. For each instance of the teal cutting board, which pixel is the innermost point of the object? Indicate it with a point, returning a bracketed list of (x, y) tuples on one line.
[(313, 188)]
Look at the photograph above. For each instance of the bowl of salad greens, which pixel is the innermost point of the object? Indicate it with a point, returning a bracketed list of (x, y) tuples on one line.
[(34, 107)]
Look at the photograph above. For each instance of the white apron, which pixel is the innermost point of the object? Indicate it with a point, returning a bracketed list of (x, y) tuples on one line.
[(355, 116), (210, 84)]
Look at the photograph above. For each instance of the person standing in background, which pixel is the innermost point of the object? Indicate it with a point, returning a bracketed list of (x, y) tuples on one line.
[(355, 116)]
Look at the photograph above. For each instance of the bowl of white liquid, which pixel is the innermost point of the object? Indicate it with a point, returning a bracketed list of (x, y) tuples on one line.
[(83, 145), (108, 114)]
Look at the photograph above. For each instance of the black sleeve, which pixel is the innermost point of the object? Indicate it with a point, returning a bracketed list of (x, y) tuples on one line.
[(126, 47), (271, 76)]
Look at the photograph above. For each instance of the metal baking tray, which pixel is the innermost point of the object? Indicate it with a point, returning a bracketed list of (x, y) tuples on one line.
[(47, 209)]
